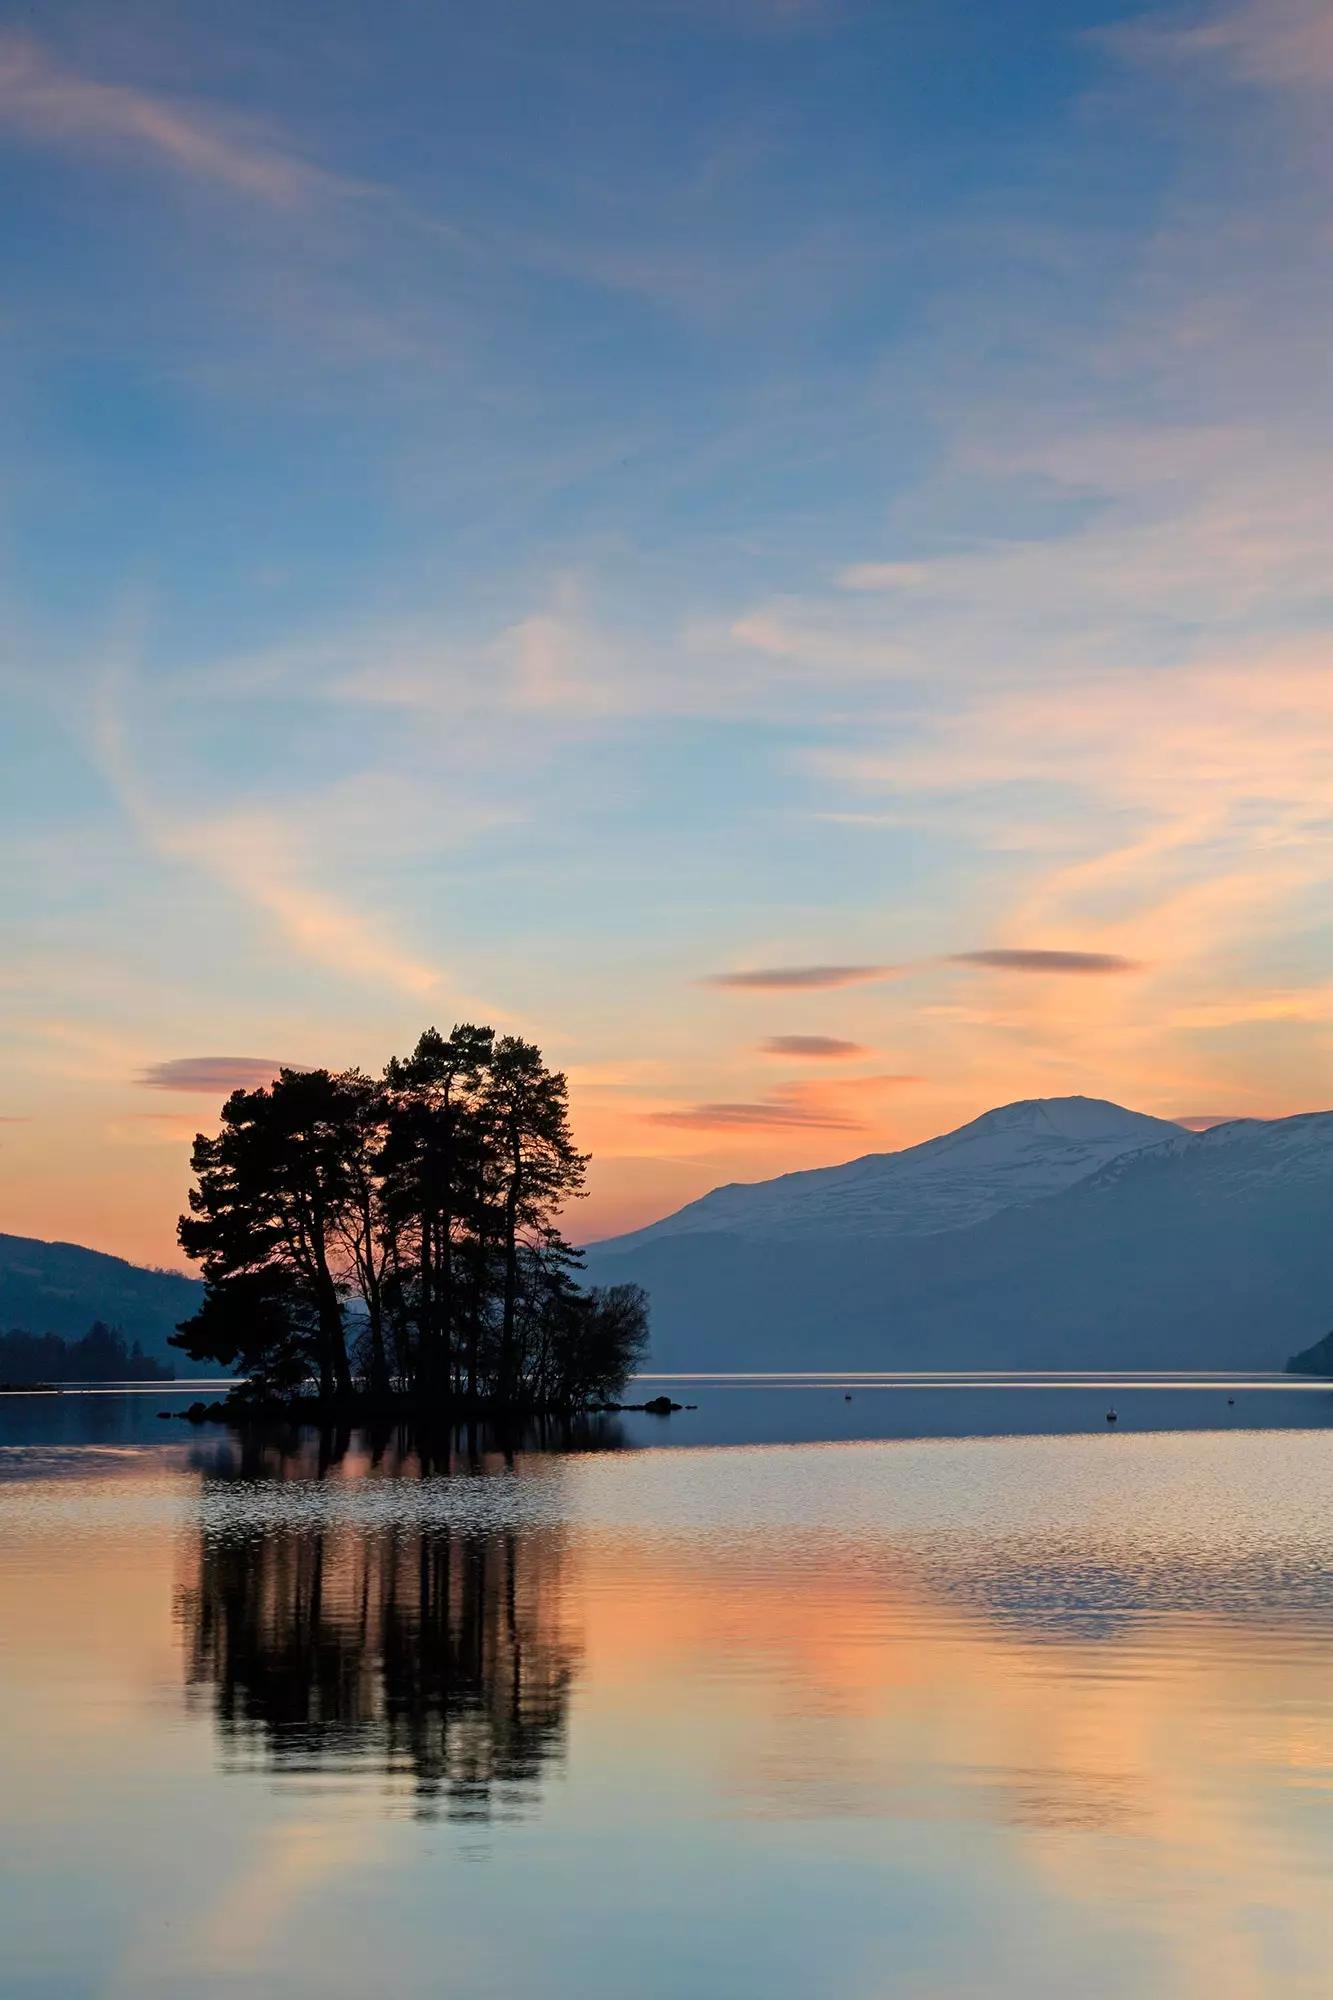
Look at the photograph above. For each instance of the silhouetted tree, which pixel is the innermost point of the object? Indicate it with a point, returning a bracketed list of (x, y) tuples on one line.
[(526, 1107), (360, 1215), (102, 1355), (274, 1201), (607, 1338), (432, 1196), (417, 1215)]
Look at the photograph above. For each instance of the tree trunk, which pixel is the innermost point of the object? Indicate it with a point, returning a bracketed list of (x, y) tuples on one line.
[(444, 1295), (333, 1347), (506, 1382), (425, 1322)]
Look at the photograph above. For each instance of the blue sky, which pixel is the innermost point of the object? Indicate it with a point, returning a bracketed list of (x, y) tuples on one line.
[(512, 512)]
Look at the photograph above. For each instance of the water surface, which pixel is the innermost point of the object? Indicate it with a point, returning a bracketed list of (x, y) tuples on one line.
[(999, 1700)]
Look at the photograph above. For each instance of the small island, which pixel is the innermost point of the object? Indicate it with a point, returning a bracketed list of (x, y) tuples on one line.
[(383, 1245)]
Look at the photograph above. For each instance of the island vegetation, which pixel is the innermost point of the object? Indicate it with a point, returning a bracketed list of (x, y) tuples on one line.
[(392, 1241), (102, 1355)]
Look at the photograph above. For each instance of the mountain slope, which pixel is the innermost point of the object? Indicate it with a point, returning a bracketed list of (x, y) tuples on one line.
[(1208, 1250), (62, 1288), (1018, 1153)]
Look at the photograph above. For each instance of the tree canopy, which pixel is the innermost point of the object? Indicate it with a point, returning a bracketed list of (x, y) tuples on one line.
[(398, 1235)]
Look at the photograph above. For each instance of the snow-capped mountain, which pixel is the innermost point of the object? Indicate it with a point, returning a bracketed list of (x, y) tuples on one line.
[(1243, 1155), (1054, 1234), (1016, 1154)]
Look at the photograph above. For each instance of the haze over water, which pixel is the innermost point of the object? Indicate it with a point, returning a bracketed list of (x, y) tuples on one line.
[(1017, 1713)]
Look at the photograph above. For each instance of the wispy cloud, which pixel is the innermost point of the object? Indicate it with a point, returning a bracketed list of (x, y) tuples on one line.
[(882, 575), (1078, 962), (211, 1074), (801, 978), (828, 1106), (44, 102), (819, 1047), (257, 858), (773, 1113), (253, 856), (1283, 43)]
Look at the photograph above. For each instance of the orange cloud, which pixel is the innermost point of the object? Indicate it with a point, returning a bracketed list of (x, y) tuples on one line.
[(833, 1107), (214, 1075), (258, 859), (802, 978), (816, 1047), (777, 1112), (1078, 962)]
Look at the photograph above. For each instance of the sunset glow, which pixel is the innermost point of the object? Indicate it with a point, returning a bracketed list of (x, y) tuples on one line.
[(779, 550)]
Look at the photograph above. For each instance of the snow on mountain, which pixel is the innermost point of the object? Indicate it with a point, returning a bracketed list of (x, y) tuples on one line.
[(1180, 1250), (1016, 1154), (1244, 1155)]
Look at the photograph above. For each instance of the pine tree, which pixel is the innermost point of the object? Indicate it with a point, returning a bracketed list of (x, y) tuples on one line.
[(419, 1214), (267, 1221)]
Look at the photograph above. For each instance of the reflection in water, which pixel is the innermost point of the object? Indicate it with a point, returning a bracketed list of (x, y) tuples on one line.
[(1025, 1717), (434, 1660)]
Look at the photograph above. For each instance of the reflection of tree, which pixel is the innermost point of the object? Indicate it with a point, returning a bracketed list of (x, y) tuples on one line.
[(431, 1657)]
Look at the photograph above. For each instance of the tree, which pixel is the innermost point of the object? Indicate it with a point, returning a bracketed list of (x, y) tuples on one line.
[(270, 1218), (609, 1340), (540, 1169), (418, 1213), (261, 1322), (431, 1194), (583, 1345), (359, 1218)]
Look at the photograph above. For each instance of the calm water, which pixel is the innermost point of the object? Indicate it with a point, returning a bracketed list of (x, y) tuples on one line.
[(977, 1696)]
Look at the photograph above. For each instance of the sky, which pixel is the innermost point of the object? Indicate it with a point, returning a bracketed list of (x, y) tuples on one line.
[(780, 548)]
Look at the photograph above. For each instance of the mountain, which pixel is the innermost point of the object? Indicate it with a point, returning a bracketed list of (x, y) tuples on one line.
[(62, 1288), (1020, 1153), (1058, 1233)]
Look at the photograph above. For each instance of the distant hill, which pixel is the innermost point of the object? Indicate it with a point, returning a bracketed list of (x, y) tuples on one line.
[(62, 1288), (1018, 1154), (1057, 1233)]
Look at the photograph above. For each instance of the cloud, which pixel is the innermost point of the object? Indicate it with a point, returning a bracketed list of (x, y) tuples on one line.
[(774, 1112), (882, 575), (212, 1074), (827, 1107), (801, 978), (1079, 962), (45, 102), (811, 1045), (1285, 44), (258, 859)]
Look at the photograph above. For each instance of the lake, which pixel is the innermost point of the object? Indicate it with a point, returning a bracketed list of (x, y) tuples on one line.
[(949, 1689)]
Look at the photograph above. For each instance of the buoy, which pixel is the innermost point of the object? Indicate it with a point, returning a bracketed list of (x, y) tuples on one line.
[(1110, 1416), (846, 1399), (1231, 1402)]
